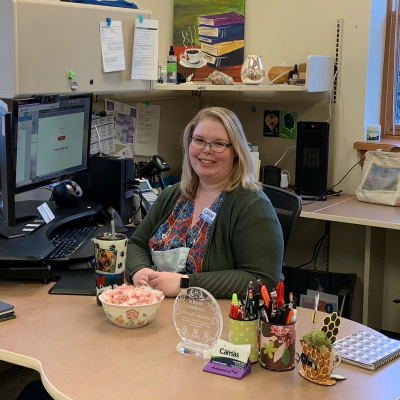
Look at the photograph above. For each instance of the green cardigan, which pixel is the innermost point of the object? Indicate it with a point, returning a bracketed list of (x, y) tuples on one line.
[(245, 243)]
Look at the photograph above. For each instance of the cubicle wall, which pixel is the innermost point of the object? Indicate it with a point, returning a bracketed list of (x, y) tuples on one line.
[(41, 41)]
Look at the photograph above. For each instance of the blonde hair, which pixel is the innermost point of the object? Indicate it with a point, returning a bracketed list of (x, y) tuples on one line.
[(242, 172)]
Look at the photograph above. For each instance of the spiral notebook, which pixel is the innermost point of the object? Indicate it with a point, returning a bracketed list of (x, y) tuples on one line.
[(6, 311), (367, 350)]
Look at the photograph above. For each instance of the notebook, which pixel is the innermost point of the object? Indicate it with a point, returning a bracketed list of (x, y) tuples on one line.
[(367, 350), (6, 311), (5, 308)]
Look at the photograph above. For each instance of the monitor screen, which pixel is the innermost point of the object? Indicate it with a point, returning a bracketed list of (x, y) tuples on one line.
[(7, 182), (51, 140)]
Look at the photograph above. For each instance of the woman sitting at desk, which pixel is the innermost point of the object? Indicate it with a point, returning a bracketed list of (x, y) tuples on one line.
[(215, 226)]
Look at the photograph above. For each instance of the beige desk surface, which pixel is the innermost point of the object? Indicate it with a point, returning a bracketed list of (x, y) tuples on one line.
[(346, 208), (86, 357)]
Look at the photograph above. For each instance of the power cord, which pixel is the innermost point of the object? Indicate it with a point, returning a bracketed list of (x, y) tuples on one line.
[(317, 249), (330, 189), (140, 201), (291, 147), (330, 92)]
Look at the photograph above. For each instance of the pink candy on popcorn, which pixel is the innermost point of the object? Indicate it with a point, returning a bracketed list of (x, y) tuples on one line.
[(132, 296)]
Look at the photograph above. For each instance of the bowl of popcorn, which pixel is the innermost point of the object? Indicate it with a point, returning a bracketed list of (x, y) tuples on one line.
[(130, 306)]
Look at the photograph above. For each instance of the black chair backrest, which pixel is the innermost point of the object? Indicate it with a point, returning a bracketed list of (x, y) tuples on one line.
[(287, 207)]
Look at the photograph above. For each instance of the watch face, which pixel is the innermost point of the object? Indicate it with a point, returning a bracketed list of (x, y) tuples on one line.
[(185, 283)]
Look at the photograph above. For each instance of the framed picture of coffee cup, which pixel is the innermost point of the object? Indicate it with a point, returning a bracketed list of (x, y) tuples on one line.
[(209, 36)]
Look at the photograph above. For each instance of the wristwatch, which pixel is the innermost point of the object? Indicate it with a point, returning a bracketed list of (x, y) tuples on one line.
[(185, 282)]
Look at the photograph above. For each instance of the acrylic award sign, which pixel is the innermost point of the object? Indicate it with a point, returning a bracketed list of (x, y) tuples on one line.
[(198, 320)]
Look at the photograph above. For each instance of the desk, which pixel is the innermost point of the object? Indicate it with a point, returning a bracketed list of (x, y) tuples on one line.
[(70, 341), (376, 218)]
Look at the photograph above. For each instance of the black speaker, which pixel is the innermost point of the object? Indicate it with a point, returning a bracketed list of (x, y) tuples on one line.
[(108, 184), (312, 149), (67, 193), (271, 175)]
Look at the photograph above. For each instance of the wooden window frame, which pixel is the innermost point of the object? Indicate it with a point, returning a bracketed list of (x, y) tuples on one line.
[(390, 137), (390, 73)]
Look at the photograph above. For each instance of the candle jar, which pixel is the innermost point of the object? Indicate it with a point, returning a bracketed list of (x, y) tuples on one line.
[(252, 72)]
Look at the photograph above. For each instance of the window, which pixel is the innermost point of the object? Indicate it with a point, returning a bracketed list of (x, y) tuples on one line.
[(390, 107)]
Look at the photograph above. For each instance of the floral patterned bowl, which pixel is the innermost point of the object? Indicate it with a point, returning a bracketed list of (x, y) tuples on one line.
[(130, 316)]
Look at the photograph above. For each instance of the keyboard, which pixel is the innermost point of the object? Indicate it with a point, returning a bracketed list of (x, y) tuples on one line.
[(150, 196), (69, 240)]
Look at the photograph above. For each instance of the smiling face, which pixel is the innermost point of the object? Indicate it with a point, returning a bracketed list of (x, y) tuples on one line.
[(212, 168)]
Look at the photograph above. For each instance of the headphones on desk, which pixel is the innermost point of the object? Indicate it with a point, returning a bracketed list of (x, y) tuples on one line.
[(67, 193)]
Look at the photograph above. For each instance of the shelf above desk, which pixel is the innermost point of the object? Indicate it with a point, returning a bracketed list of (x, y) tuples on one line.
[(319, 75), (237, 87)]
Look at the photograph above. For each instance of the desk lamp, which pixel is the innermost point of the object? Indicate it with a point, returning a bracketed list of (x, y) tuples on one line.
[(155, 167)]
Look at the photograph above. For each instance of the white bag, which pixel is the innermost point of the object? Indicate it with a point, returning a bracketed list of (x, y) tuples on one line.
[(381, 178)]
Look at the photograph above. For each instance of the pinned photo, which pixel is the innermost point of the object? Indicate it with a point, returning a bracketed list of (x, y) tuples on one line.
[(271, 123)]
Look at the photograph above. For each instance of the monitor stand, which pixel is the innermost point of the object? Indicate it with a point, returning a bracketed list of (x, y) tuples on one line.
[(12, 233), (34, 246), (24, 271)]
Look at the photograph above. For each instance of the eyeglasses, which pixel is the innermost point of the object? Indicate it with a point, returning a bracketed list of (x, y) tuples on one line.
[(217, 147)]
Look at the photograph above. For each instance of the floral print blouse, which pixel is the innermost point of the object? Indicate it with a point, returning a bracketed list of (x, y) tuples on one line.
[(176, 232)]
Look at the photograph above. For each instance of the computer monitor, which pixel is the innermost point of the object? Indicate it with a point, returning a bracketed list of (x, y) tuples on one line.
[(50, 140), (7, 181)]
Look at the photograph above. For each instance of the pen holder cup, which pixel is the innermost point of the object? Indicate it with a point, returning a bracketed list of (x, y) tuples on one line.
[(245, 332), (278, 346)]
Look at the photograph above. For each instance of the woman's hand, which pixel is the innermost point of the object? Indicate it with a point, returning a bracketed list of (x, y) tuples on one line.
[(167, 282), (141, 277)]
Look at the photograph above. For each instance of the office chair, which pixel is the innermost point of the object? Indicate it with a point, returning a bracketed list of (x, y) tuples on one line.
[(287, 206)]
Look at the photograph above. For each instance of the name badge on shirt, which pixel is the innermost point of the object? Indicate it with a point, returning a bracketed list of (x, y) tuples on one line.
[(208, 215)]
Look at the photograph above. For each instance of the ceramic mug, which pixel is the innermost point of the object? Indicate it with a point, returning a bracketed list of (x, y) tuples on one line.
[(192, 56), (318, 365), (334, 361)]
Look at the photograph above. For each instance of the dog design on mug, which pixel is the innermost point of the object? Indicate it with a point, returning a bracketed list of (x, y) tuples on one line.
[(106, 260)]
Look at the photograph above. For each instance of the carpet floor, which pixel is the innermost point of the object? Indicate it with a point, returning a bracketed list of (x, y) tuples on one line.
[(14, 379)]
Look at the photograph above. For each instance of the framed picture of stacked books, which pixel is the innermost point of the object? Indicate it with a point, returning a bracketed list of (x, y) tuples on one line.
[(209, 35)]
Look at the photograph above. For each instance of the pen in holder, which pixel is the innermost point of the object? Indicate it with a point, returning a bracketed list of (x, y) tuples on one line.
[(278, 346), (245, 332)]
